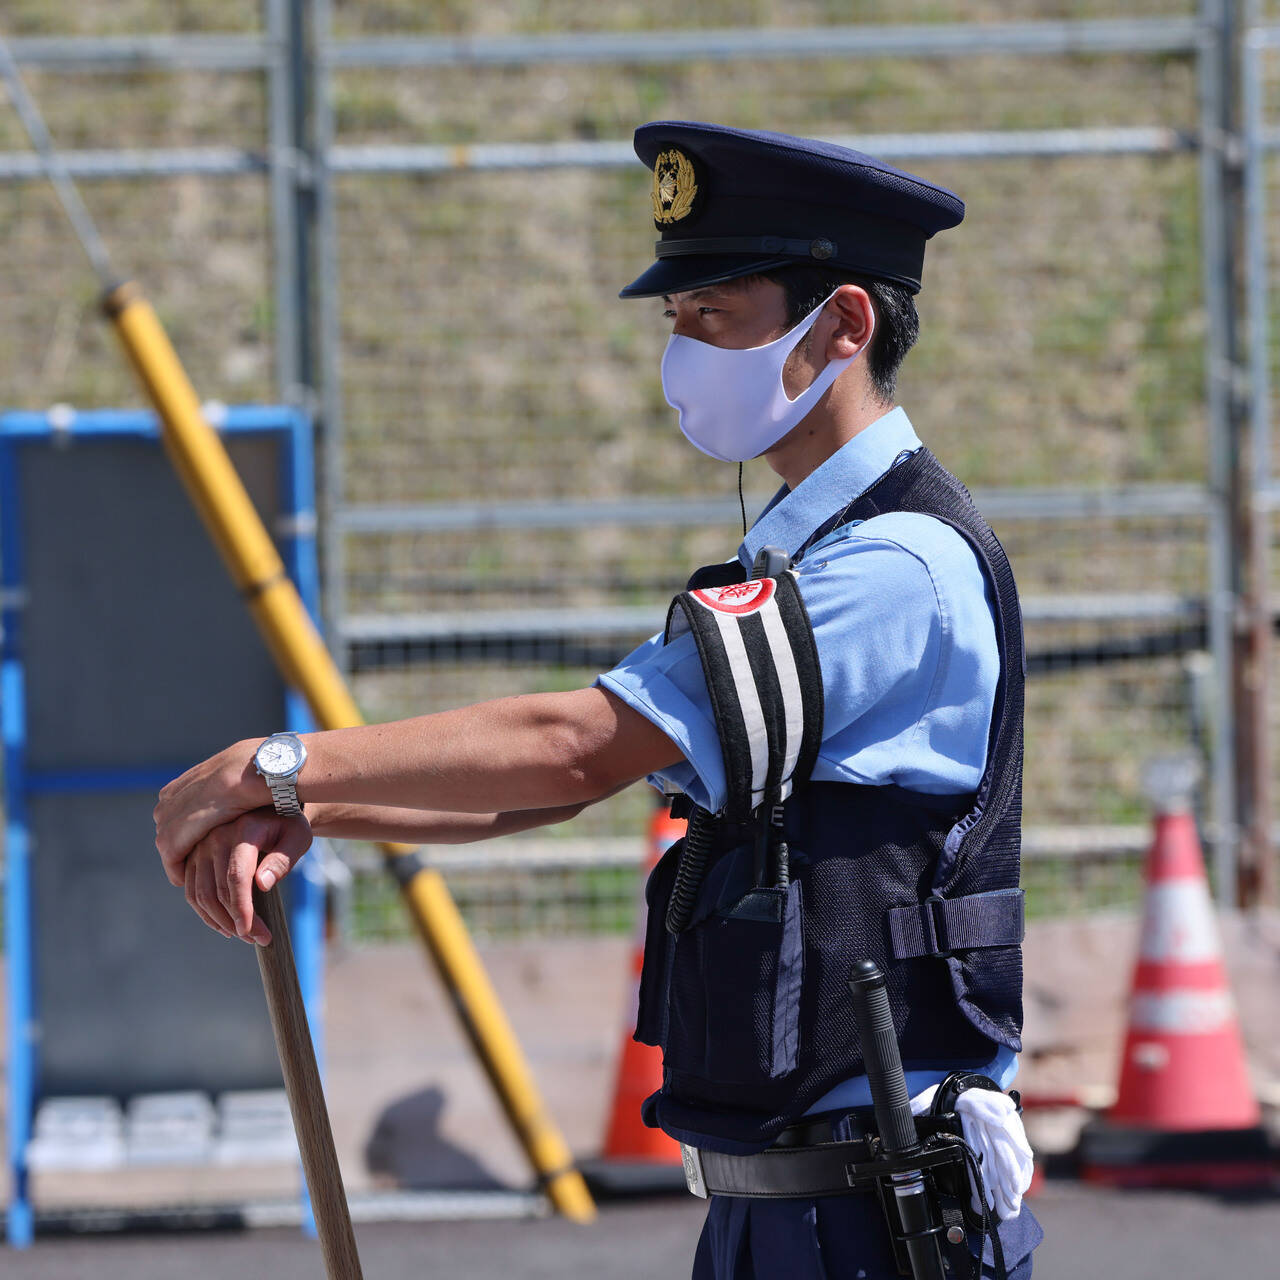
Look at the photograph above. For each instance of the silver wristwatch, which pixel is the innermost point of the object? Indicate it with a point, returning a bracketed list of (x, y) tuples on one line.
[(279, 760)]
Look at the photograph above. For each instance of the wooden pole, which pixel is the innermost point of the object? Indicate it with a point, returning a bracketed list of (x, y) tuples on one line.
[(306, 1095)]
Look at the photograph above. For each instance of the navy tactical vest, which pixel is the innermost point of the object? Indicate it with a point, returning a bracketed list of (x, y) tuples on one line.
[(748, 999)]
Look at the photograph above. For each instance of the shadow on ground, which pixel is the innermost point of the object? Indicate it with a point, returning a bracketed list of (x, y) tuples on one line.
[(406, 1149)]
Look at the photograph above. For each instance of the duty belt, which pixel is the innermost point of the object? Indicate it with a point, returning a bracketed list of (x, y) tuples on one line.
[(801, 1165)]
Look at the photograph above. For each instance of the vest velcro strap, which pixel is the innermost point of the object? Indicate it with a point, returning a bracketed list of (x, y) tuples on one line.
[(938, 926)]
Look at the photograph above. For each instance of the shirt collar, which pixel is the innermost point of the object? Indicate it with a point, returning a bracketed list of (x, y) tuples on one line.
[(793, 514)]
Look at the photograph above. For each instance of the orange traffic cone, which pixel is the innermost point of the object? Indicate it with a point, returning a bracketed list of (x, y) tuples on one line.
[(635, 1158), (1183, 1065), (1185, 1113)]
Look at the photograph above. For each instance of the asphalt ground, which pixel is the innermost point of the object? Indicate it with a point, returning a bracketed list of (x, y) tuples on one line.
[(1089, 1233), (411, 1110)]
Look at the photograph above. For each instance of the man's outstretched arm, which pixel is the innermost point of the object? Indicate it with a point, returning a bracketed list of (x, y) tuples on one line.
[(538, 751), (380, 823)]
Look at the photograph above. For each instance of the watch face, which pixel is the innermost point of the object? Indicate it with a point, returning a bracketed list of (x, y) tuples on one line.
[(279, 757)]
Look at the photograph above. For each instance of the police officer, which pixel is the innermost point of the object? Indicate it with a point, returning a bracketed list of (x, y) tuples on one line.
[(838, 710)]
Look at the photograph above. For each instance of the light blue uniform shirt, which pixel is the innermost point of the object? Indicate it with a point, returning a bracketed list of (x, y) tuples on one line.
[(905, 628)]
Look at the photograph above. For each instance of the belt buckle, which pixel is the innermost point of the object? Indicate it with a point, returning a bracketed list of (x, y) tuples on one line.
[(691, 1158)]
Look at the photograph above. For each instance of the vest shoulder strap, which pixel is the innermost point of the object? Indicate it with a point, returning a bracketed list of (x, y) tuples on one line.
[(760, 661)]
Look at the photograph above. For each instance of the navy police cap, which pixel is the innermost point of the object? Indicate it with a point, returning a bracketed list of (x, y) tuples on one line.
[(732, 202)]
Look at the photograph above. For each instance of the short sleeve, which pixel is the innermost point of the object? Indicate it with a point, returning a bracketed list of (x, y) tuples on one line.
[(665, 684), (878, 628)]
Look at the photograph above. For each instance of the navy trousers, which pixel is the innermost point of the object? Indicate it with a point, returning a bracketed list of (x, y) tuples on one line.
[(834, 1238)]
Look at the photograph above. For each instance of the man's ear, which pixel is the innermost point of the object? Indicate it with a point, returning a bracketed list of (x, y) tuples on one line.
[(854, 321)]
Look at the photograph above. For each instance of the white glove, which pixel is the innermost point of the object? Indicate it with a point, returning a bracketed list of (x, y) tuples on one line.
[(993, 1128)]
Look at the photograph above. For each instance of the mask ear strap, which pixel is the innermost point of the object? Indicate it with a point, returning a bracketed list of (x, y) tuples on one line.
[(826, 376)]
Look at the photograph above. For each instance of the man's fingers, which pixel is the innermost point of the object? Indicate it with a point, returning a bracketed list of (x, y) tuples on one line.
[(207, 895), (220, 873), (272, 869), (189, 885), (241, 864), (220, 863), (201, 892), (175, 868), (292, 840)]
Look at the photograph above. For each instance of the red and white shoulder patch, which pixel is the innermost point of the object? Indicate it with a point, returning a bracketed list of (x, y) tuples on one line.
[(738, 598)]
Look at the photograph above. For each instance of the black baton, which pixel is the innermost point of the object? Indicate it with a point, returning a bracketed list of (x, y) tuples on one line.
[(883, 1064)]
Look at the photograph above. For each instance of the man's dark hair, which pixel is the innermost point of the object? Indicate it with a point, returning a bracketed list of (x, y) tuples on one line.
[(897, 324)]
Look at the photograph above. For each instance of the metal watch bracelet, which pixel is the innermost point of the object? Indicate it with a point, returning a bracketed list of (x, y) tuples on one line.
[(284, 796)]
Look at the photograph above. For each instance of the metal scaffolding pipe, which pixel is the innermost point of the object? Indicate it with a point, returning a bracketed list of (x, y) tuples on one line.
[(908, 40), (991, 145), (476, 626), (163, 162), (21, 166), (142, 52), (1171, 501)]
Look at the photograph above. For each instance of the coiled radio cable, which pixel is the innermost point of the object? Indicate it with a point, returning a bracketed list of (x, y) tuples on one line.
[(691, 870)]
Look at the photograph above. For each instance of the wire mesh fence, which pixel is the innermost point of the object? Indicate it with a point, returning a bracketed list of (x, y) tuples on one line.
[(490, 383), (201, 246), (571, 886), (1061, 345)]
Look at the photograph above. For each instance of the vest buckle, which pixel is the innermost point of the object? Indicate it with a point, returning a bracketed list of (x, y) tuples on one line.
[(935, 926)]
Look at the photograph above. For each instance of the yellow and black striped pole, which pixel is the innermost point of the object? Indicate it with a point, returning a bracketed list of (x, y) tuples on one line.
[(233, 523)]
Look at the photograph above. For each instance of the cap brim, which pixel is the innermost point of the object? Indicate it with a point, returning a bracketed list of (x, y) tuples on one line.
[(675, 275)]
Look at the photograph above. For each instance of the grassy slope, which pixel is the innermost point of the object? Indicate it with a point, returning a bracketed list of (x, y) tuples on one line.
[(485, 355)]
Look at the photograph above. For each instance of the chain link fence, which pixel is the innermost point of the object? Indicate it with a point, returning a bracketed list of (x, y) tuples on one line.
[(508, 506)]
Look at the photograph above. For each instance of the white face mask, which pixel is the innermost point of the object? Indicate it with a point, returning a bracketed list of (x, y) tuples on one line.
[(732, 404)]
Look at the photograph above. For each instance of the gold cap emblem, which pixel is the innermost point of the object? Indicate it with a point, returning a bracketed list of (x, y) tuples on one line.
[(674, 187)]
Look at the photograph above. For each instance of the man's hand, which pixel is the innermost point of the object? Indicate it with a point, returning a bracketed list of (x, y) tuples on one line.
[(214, 792), (220, 873)]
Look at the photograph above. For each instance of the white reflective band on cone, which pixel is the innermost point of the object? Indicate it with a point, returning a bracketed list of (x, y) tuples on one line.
[(1181, 1012), (1178, 924)]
